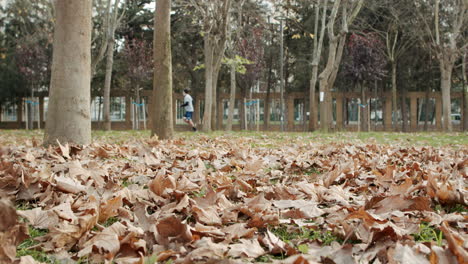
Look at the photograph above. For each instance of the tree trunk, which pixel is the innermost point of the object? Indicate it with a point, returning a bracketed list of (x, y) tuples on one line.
[(162, 125), (445, 85), (394, 96), (465, 94), (266, 105), (313, 115), (208, 50), (232, 97), (68, 117), (312, 100), (214, 105), (107, 83)]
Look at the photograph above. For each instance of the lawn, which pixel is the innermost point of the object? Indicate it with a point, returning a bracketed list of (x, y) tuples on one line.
[(235, 197)]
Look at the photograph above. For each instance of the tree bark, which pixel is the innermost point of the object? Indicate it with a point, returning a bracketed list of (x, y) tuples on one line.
[(445, 85), (162, 125), (208, 50), (394, 96), (465, 94), (266, 105), (68, 117), (107, 83), (315, 63), (232, 97)]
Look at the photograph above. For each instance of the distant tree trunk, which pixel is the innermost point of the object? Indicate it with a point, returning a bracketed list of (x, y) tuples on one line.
[(68, 117), (208, 50), (266, 105), (315, 63), (162, 125), (30, 112), (232, 97), (465, 94), (394, 96), (445, 85), (109, 65), (107, 84), (214, 105)]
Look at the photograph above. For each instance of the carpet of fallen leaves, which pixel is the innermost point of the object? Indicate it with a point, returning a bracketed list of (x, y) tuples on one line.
[(233, 200)]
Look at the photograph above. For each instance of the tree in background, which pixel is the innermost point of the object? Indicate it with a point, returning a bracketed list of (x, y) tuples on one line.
[(364, 64), (33, 63), (440, 29), (68, 117), (138, 55), (336, 41), (215, 17), (162, 124)]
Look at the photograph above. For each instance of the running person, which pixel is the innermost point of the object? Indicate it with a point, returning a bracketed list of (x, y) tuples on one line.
[(188, 105)]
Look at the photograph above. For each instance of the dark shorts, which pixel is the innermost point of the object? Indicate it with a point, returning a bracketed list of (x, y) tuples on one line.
[(188, 115)]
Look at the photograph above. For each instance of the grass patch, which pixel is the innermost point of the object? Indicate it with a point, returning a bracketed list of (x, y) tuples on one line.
[(455, 208), (428, 233), (326, 238), (270, 139), (110, 221), (25, 248)]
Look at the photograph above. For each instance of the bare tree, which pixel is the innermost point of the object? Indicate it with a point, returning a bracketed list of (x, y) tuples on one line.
[(162, 124), (215, 17), (442, 32), (348, 10), (317, 53), (398, 41), (233, 39), (113, 23), (68, 117)]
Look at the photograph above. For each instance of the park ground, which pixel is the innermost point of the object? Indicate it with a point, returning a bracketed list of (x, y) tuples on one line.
[(236, 196)]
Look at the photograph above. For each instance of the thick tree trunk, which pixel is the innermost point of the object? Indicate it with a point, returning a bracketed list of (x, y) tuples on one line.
[(68, 117), (107, 83), (208, 50), (232, 97), (162, 125), (214, 105), (445, 85), (364, 109)]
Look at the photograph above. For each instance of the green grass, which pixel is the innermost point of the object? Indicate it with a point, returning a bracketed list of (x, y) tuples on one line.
[(268, 139), (428, 233), (325, 237), (26, 247)]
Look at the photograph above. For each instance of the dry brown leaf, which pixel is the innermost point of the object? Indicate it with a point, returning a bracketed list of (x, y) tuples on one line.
[(246, 248), (110, 208), (455, 243)]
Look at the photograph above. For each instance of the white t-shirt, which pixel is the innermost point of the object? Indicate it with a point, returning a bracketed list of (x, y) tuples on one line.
[(188, 99)]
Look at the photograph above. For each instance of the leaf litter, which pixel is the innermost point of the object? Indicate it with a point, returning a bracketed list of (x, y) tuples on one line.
[(230, 200)]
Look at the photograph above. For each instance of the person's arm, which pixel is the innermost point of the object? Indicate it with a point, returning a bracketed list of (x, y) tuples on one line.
[(184, 104)]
